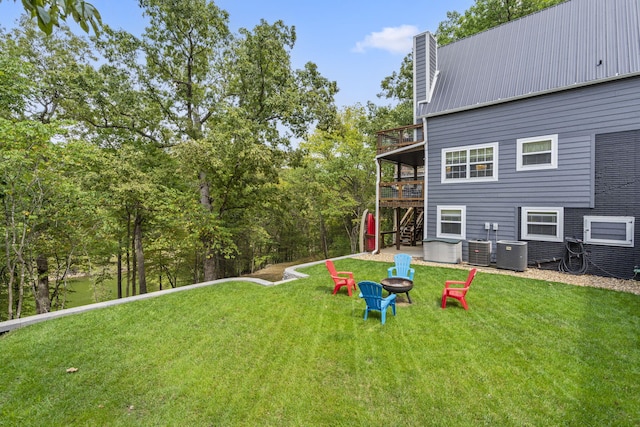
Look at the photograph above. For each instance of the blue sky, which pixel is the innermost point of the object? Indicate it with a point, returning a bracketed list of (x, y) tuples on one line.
[(354, 42)]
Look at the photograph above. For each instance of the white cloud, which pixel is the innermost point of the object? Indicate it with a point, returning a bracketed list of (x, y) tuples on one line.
[(392, 39)]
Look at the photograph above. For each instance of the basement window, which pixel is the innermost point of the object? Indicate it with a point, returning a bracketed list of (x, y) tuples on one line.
[(452, 222), (542, 224), (609, 230)]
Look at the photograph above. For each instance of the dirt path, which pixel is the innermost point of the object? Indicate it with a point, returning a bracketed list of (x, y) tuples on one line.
[(274, 272)]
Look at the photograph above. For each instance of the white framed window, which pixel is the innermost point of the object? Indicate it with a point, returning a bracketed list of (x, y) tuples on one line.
[(543, 224), (452, 222), (470, 163), (539, 152), (609, 230)]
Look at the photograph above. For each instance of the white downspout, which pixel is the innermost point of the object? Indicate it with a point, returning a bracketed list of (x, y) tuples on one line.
[(378, 173), (426, 182)]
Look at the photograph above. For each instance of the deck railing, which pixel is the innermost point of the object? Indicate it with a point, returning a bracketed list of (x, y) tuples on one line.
[(402, 193), (392, 139)]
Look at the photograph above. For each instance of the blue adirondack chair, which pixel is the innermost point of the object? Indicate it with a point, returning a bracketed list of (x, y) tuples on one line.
[(372, 294), (402, 267)]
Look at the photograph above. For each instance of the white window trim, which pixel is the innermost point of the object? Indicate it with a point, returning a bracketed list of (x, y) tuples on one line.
[(554, 153), (524, 212), (463, 228), (443, 171), (628, 220)]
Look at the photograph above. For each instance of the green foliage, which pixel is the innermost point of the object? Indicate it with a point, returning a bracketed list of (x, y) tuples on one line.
[(173, 145), (46, 209), (486, 14), (25, 180), (225, 105), (49, 70), (527, 352), (270, 92), (14, 85), (187, 107), (239, 170), (338, 176), (183, 49), (399, 85), (49, 13), (75, 236)]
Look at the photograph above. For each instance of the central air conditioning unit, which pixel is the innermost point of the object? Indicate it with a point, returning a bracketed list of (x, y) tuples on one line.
[(511, 255), (480, 252)]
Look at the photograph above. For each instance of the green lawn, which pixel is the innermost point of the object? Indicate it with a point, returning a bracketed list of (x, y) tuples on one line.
[(527, 353)]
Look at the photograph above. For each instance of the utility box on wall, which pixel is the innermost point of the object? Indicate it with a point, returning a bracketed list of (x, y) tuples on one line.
[(480, 252), (511, 255)]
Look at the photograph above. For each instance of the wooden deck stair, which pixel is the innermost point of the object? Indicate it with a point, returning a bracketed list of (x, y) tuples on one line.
[(410, 231)]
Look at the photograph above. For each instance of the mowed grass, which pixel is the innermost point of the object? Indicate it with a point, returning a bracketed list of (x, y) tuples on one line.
[(527, 353)]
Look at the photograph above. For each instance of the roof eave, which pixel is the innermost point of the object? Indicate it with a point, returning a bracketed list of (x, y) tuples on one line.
[(400, 150), (528, 95)]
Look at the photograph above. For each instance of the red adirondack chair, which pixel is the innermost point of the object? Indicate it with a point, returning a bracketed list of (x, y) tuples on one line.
[(457, 292), (341, 278)]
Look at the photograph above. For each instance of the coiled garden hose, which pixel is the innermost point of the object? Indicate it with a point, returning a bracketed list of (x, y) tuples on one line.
[(575, 257)]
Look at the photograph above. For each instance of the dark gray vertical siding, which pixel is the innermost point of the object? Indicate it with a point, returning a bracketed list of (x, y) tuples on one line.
[(617, 193), (420, 77), (575, 115)]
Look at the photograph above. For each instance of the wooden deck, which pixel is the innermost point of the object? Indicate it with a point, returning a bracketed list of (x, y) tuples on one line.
[(402, 194), (392, 139)]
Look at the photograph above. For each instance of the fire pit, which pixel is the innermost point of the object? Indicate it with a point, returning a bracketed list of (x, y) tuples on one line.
[(397, 285)]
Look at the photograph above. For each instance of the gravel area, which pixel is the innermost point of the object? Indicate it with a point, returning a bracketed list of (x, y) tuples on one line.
[(631, 286)]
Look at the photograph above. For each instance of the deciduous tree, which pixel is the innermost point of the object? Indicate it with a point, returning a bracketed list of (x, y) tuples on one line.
[(200, 79), (38, 99), (339, 178)]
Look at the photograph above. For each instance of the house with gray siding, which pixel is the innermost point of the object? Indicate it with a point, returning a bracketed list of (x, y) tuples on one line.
[(528, 132)]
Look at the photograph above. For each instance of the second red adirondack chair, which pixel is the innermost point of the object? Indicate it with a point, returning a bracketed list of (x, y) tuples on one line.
[(341, 278), (458, 293)]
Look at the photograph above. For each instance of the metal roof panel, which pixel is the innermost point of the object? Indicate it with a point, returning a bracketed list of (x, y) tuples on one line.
[(574, 43)]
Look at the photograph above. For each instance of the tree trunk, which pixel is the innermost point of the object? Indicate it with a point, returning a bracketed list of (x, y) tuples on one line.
[(209, 260), (119, 271), (134, 262), (10, 273), (21, 285), (137, 240), (323, 238), (43, 303), (196, 267), (129, 268)]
